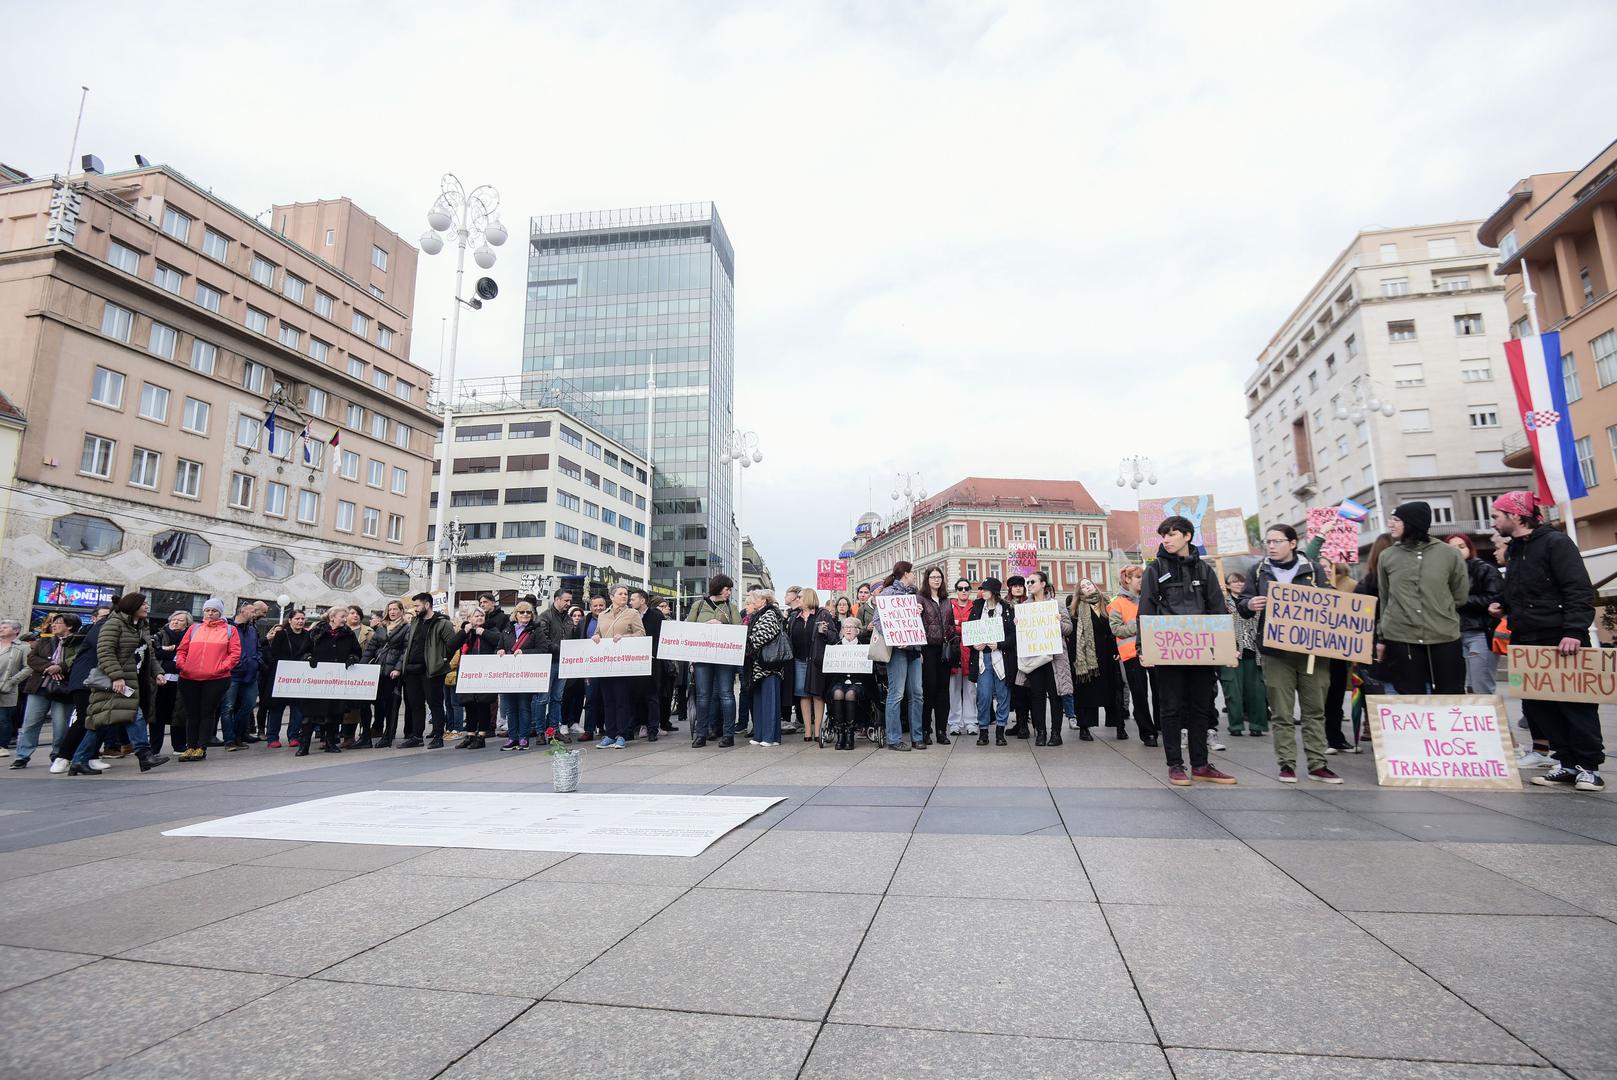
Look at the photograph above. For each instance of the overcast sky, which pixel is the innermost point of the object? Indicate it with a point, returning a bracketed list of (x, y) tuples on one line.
[(993, 239)]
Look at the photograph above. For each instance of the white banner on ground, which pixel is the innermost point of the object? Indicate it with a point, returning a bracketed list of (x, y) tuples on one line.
[(584, 659), (851, 659), (295, 680), (527, 673), (704, 643), (502, 820)]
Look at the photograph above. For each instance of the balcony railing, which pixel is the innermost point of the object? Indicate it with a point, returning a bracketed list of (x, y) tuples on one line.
[(1517, 453)]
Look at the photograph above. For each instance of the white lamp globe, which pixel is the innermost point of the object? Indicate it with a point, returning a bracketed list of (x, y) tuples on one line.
[(1375, 404), (438, 220), (431, 243), (495, 233), (1341, 412), (746, 463), (1388, 408), (483, 256), (1151, 479), (283, 600), (757, 455)]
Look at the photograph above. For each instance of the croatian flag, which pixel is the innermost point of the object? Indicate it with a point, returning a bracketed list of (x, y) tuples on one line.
[(1535, 371)]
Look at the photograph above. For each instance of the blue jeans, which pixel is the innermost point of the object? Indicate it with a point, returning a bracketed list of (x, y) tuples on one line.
[(522, 713), (456, 711), (236, 712), (272, 721), (38, 706), (989, 688), (1481, 664), (8, 724), (766, 710), (904, 673), (551, 715), (91, 744), (715, 700)]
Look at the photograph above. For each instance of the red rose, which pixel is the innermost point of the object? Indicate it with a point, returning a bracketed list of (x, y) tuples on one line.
[(550, 733)]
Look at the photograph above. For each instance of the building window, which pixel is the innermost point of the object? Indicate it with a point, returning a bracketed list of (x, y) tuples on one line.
[(188, 478), (370, 522), (1401, 330), (1586, 460), (162, 341), (275, 499), (1443, 247), (247, 429), (117, 323), (341, 574), (314, 402), (566, 500), (1416, 419), (380, 378), (262, 271), (324, 304), (592, 511), (374, 471), (1421, 464), (319, 350), (1408, 375), (241, 491), (177, 225), (354, 417), (154, 403), (1389, 253), (376, 292), (378, 426), (1442, 509), (1394, 286), (258, 321), (1482, 508), (1569, 378), (1453, 282), (569, 469), (280, 442), (530, 430), (215, 245), (566, 533), (308, 507), (1351, 346), (401, 481), (194, 417), (345, 515), (1604, 348), (203, 356), (378, 258), (526, 495), (384, 336), (1476, 371), (291, 337), (1483, 416), (124, 258), (361, 324), (209, 297), (168, 279), (356, 367), (992, 532), (253, 376), (571, 437), (144, 468), (522, 530), (293, 288), (107, 388), (395, 531), (81, 534), (348, 465), (402, 390), (1467, 325)]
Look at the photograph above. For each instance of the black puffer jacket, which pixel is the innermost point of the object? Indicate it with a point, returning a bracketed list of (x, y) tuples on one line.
[(1486, 588), (1181, 585), (1547, 590)]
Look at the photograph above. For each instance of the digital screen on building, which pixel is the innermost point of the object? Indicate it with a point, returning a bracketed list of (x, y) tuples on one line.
[(75, 594)]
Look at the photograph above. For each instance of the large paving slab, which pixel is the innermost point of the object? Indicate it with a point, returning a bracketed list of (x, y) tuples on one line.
[(845, 1051), (1192, 873), (1237, 1065), (1593, 887), (19, 966), (793, 861), (1007, 867)]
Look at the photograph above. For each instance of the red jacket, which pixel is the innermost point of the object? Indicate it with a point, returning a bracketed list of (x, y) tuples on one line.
[(962, 612), (208, 653)]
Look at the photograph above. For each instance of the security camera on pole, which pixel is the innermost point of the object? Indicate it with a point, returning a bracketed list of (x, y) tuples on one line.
[(466, 216)]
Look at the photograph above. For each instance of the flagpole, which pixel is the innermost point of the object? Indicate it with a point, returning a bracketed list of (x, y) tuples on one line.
[(1530, 302)]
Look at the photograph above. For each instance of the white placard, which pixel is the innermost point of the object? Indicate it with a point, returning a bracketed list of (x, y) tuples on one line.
[(501, 820), (296, 680), (901, 625), (582, 658), (1442, 741), (1038, 628), (853, 659), (982, 631), (704, 643), (514, 673)]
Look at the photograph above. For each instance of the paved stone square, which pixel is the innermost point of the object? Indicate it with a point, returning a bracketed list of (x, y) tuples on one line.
[(959, 912)]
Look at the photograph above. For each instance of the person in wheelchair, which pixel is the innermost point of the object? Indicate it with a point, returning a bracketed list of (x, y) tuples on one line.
[(848, 695)]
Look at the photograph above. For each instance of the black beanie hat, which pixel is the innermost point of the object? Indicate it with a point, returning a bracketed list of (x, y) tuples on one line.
[(992, 585), (1417, 519)]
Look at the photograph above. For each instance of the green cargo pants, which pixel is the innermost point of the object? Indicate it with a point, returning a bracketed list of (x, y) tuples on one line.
[(1290, 686), (1244, 694)]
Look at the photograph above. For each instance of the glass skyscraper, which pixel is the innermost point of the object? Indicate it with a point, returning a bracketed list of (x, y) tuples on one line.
[(615, 296)]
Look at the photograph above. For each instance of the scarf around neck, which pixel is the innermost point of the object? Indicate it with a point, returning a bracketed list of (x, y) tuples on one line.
[(1085, 662)]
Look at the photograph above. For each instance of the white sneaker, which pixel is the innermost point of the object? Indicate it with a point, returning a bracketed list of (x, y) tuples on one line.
[(1214, 744), (1532, 759), (1331, 750), (98, 765), (755, 742), (1589, 780), (4, 752), (60, 765)]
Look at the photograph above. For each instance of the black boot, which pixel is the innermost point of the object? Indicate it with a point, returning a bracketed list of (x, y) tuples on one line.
[(1020, 730), (1038, 732), (75, 769), (1084, 735), (982, 735), (999, 736), (149, 760), (332, 745), (1055, 732)]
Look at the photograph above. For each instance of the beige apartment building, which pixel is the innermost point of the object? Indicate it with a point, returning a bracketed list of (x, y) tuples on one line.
[(148, 333), (1561, 228), (1411, 320)]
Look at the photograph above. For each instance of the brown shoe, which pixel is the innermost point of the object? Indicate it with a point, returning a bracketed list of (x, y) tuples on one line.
[(1178, 777), (1212, 775)]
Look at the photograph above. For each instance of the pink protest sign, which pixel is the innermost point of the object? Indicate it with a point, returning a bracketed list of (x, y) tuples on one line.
[(831, 575), (1341, 535), (1024, 559)]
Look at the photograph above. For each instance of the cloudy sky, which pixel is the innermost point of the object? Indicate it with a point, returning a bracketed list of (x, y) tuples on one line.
[(1000, 239)]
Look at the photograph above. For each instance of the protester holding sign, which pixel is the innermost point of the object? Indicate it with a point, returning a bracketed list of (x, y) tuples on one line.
[(713, 685), (1178, 582), (935, 657), (331, 643), (617, 695), (1422, 584), (992, 662), (522, 710), (1550, 601), (769, 654), (896, 601), (848, 694), (962, 695), (1043, 674), (1123, 615), (811, 628), (1290, 685)]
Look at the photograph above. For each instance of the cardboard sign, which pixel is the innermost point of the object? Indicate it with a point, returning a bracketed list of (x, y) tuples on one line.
[(1198, 508), (1038, 629), (901, 625), (831, 575), (704, 643), (1188, 640), (1542, 673), (1321, 622), (296, 680), (582, 658), (1024, 559), (851, 659), (1459, 741), (1229, 533), (525, 673), (982, 631)]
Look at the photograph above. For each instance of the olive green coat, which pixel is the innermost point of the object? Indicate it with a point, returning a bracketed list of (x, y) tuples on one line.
[(115, 649)]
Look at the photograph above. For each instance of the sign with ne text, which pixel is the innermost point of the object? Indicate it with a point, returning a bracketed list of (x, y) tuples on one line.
[(1320, 622), (1544, 673), (1438, 741), (1184, 640), (524, 673), (1038, 629), (704, 643), (831, 575), (901, 625), (982, 631), (325, 682), (583, 658), (1341, 534), (1024, 559), (851, 659)]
